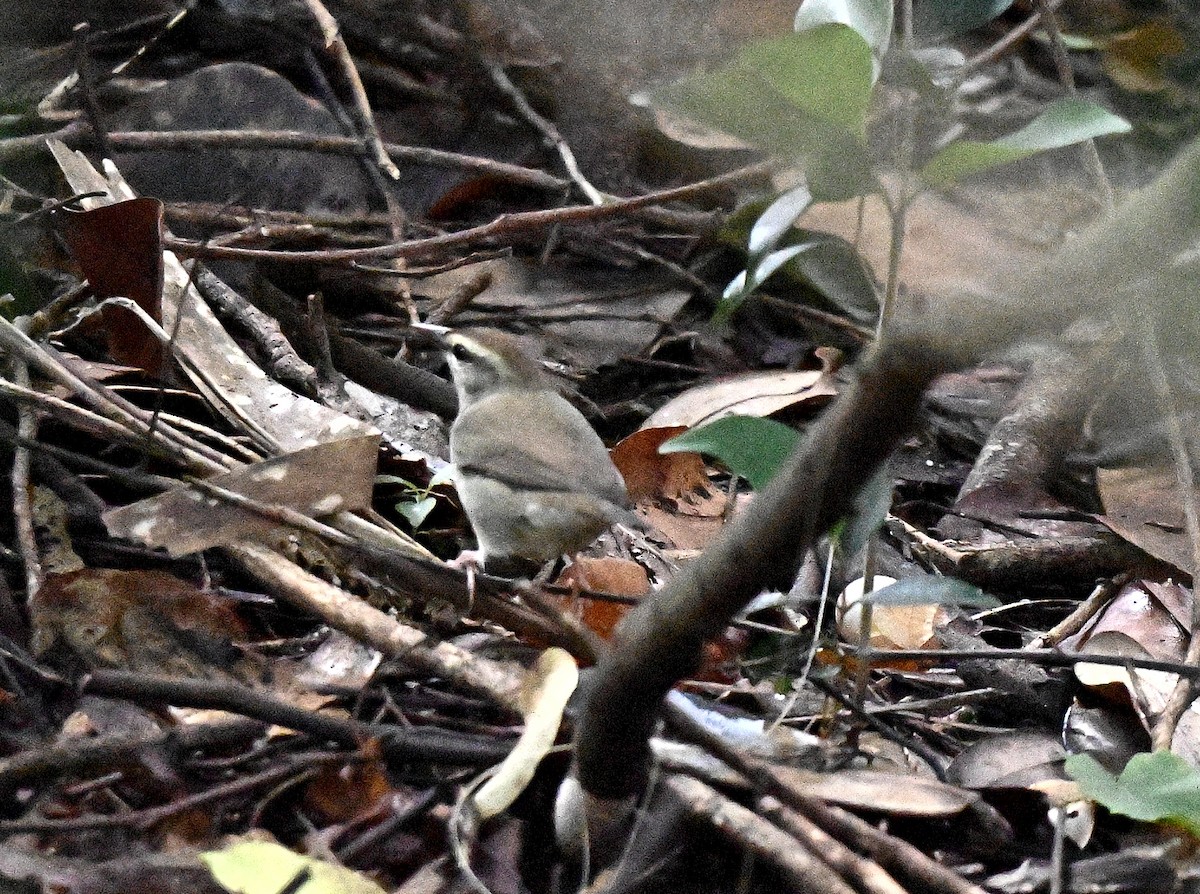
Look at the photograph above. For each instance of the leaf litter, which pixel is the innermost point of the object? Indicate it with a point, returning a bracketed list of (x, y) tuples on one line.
[(157, 590)]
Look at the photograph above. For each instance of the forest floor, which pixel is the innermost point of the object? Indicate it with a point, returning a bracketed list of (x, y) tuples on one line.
[(233, 652)]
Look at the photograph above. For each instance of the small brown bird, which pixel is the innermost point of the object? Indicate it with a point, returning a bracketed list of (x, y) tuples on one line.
[(534, 478)]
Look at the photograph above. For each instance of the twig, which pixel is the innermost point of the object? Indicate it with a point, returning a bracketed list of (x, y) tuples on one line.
[(138, 480), (350, 614), (546, 128), (467, 260), (397, 743), (855, 706), (1186, 689), (382, 172), (1084, 612), (897, 856), (200, 140), (108, 404), (866, 875), (336, 48), (1047, 657), (801, 865), (318, 335), (463, 295), (282, 359), (76, 756), (809, 315), (209, 215), (143, 820), (673, 267), (1062, 63), (397, 820), (22, 487), (80, 35), (509, 224), (1004, 44)]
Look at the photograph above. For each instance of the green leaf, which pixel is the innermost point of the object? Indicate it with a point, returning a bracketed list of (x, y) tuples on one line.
[(263, 867), (932, 590), (800, 96), (824, 72), (416, 511), (830, 275), (1083, 43), (872, 19), (1063, 123), (763, 269), (748, 446), (1155, 787), (834, 268)]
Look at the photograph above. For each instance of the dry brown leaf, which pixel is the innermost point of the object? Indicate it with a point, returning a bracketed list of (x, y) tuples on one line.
[(650, 475), (620, 577), (119, 249), (321, 480), (1014, 759), (212, 355), (339, 793), (1143, 506), (686, 532), (883, 792), (1144, 620), (147, 621), (1137, 59), (753, 394), (1152, 615)]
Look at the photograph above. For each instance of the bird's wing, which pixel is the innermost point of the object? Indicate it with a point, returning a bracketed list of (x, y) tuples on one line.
[(542, 444)]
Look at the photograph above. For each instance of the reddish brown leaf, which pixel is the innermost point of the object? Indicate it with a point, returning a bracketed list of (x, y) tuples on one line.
[(339, 794), (119, 248), (650, 475), (620, 577), (137, 620)]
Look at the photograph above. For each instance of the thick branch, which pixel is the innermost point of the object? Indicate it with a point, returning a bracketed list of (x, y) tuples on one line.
[(660, 641)]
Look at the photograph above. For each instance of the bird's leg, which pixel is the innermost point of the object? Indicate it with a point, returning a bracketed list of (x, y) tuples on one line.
[(469, 561), (544, 573), (578, 579)]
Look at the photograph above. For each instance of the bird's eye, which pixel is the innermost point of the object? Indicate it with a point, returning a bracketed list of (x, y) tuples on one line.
[(461, 352)]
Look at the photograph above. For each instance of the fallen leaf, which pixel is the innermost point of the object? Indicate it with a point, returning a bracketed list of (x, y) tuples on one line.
[(345, 792), (882, 792), (1137, 59), (1015, 759), (1142, 504), (650, 475), (620, 577), (753, 394), (148, 621), (321, 480), (264, 867), (119, 249)]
